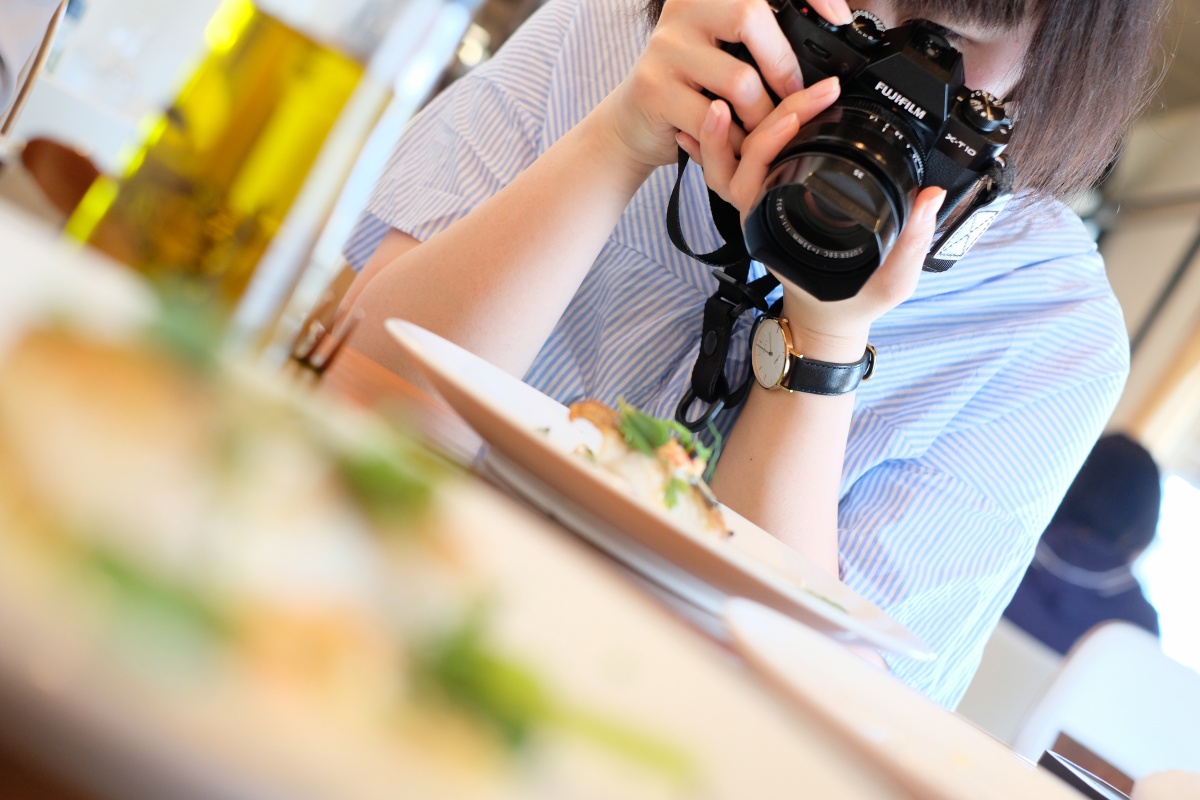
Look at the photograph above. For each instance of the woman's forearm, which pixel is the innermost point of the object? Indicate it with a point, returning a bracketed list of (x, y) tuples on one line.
[(497, 281), (782, 464)]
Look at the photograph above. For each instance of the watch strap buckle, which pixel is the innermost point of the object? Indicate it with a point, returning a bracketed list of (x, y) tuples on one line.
[(871, 356)]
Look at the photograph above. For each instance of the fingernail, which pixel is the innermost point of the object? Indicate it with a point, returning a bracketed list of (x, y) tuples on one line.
[(711, 117), (930, 209), (794, 83), (843, 14), (788, 123), (824, 88)]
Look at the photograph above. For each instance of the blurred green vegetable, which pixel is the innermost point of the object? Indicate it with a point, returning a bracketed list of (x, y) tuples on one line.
[(465, 671), (646, 433)]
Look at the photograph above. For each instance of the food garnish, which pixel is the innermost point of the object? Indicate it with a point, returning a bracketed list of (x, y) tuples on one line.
[(463, 669), (660, 461)]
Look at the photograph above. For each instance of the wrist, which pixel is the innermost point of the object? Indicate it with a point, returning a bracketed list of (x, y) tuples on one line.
[(603, 135), (825, 331), (837, 345), (781, 360)]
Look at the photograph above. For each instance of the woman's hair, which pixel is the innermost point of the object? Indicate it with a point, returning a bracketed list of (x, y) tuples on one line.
[(1091, 67), (1116, 495)]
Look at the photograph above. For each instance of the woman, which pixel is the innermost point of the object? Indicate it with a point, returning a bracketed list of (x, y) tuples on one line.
[(521, 216)]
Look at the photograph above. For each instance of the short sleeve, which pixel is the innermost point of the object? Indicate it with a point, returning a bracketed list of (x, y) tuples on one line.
[(472, 139), (461, 150), (957, 469), (954, 535)]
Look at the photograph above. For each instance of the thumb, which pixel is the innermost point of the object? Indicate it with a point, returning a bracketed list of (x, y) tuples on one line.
[(897, 276), (917, 236)]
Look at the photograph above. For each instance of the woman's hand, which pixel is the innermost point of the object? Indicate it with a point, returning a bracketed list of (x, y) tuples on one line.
[(664, 93), (838, 329), (661, 105)]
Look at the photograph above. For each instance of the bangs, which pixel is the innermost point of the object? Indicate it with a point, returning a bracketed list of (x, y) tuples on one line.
[(992, 14)]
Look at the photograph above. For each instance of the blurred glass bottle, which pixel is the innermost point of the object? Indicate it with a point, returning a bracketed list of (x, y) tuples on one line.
[(66, 30), (244, 166)]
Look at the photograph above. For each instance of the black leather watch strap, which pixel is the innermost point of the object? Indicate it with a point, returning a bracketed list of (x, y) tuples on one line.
[(821, 377)]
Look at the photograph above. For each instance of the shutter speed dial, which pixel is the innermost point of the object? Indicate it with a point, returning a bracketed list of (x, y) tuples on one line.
[(984, 112), (866, 30)]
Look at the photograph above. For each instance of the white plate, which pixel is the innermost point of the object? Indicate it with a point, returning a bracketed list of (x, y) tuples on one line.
[(535, 438), (932, 752)]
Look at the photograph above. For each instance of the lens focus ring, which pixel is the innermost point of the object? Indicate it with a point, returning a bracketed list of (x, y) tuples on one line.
[(835, 200)]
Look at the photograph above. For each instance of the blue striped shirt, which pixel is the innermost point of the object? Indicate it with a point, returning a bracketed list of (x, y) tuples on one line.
[(993, 382)]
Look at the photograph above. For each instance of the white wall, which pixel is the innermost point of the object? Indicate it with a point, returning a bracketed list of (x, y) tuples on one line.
[(131, 55), (124, 60), (1145, 246)]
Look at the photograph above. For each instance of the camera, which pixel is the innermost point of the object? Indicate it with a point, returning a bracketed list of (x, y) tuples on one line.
[(837, 197)]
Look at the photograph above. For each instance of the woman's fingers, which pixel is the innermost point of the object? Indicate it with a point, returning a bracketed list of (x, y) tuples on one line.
[(716, 152), (666, 92), (896, 278), (752, 22), (691, 146), (729, 78), (686, 111), (762, 147), (836, 11), (913, 242)]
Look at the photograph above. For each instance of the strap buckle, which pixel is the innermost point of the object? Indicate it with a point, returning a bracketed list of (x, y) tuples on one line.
[(702, 422), (735, 295), (742, 296), (721, 312)]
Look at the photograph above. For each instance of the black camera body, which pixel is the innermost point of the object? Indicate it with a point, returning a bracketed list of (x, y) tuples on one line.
[(840, 192)]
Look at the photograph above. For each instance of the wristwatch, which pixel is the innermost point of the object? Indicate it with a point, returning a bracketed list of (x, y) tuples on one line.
[(777, 366)]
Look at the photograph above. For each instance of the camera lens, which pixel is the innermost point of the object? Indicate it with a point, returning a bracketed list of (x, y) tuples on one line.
[(824, 215), (823, 211), (836, 199)]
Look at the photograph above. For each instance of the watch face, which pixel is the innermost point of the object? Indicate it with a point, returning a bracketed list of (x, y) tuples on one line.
[(770, 353)]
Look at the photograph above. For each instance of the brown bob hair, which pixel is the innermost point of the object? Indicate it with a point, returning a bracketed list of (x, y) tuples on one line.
[(1090, 70)]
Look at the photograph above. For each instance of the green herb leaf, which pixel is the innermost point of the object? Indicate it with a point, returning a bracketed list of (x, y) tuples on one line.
[(675, 488), (825, 599), (500, 693), (714, 453), (636, 746), (141, 587), (642, 432), (507, 696), (186, 327), (390, 483), (646, 433)]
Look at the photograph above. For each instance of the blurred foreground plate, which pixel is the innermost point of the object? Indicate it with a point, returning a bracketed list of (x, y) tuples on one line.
[(645, 682), (534, 439), (117, 680)]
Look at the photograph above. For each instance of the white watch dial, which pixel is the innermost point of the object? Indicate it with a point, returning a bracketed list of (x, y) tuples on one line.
[(770, 353)]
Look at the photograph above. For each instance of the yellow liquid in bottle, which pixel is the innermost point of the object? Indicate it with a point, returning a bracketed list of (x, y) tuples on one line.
[(218, 171)]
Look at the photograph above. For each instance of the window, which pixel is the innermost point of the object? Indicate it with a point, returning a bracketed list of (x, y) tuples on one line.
[(1168, 571)]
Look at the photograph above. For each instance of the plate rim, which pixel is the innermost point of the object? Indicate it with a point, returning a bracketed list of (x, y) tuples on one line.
[(830, 620)]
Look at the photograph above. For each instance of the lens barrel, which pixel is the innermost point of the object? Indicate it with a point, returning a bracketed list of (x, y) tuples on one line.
[(836, 199)]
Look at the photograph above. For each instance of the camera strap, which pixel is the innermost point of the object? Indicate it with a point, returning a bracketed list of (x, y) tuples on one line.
[(735, 295), (994, 192)]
